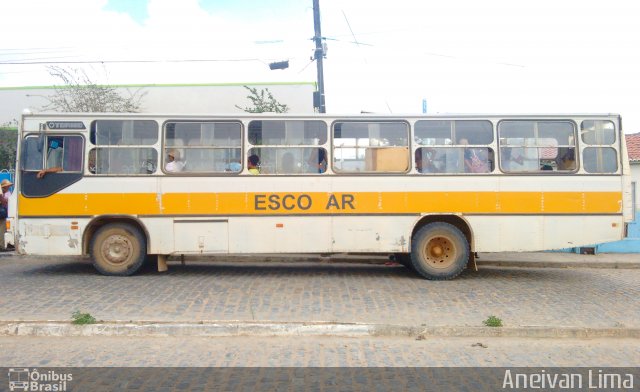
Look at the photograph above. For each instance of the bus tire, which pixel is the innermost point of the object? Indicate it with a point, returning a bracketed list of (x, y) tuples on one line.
[(439, 251), (118, 249)]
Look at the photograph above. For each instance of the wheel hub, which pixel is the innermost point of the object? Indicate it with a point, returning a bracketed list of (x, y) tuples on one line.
[(117, 249), (440, 252), (437, 251)]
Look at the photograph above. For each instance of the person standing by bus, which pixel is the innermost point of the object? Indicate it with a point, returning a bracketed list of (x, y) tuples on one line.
[(4, 208), (4, 198)]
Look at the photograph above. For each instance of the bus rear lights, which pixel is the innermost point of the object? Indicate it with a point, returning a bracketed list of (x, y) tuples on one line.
[(279, 225), (74, 226)]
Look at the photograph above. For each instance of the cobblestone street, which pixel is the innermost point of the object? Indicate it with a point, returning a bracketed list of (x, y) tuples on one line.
[(316, 363), (53, 288), (39, 289), (315, 351)]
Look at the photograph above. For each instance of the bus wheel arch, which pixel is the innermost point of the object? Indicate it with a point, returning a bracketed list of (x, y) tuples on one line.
[(455, 220), (98, 222), (441, 246)]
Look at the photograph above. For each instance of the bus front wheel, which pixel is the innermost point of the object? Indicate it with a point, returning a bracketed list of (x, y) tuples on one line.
[(118, 249), (439, 251)]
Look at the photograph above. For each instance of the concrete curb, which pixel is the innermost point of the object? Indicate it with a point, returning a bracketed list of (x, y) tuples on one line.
[(560, 264), (225, 329)]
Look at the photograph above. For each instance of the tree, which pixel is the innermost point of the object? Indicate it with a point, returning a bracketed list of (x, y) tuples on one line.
[(8, 140), (263, 101), (78, 93)]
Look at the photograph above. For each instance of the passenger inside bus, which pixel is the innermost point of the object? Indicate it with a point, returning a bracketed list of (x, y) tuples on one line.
[(476, 160), (55, 153), (566, 159), (43, 172), (317, 161), (424, 158), (91, 165), (234, 167), (512, 159), (253, 163), (174, 164)]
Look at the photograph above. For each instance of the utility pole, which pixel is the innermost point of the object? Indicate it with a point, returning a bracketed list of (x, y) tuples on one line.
[(318, 96)]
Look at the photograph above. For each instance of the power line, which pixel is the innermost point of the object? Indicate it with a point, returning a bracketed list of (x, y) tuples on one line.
[(45, 48), (18, 61), (38, 52), (126, 61), (355, 40)]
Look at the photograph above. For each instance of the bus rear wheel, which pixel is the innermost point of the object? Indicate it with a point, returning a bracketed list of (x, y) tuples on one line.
[(118, 249), (439, 251)]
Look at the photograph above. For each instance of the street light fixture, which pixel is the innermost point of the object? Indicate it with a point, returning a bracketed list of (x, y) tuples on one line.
[(279, 65)]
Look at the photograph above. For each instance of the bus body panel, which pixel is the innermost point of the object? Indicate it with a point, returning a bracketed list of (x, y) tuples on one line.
[(343, 234), (376, 213)]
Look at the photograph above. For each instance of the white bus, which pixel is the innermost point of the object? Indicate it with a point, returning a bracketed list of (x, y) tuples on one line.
[(431, 190)]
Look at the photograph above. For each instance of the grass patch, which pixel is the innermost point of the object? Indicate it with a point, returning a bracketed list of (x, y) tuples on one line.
[(492, 321), (80, 318)]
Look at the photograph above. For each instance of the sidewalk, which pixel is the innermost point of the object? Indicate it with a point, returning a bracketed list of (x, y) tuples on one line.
[(363, 297), (559, 260)]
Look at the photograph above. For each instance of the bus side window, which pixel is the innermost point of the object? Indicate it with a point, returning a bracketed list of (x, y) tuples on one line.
[(60, 164), (371, 147), (546, 146), (600, 156), (600, 160), (31, 159), (55, 152), (62, 152), (124, 146), (288, 147), (454, 146)]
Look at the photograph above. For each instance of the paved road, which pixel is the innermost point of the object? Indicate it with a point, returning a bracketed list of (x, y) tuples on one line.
[(51, 289), (294, 363), (314, 352)]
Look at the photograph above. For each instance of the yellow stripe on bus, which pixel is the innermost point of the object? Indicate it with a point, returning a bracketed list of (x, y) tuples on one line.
[(281, 203)]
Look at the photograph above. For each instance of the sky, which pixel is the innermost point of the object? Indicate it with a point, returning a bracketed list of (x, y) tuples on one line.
[(461, 56)]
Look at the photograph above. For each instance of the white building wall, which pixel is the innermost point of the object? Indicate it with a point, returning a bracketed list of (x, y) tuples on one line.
[(178, 99), (635, 177)]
